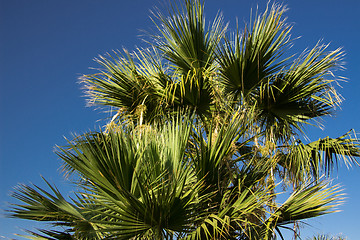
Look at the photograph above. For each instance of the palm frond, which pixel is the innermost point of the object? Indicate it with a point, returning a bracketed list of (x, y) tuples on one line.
[(184, 38), (254, 56), (293, 97), (307, 201), (133, 83), (190, 46), (40, 205), (48, 235), (215, 148), (143, 178), (303, 161)]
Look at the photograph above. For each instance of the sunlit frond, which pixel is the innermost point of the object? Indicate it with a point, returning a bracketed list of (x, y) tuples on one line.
[(41, 205), (133, 83), (184, 38), (303, 161), (307, 201)]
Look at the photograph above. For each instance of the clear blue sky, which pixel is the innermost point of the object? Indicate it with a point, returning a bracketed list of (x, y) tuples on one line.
[(46, 45)]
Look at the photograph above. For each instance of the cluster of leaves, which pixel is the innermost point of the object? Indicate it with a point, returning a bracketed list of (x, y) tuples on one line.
[(205, 132)]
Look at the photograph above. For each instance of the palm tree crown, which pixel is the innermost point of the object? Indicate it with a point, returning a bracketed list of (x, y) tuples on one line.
[(206, 130)]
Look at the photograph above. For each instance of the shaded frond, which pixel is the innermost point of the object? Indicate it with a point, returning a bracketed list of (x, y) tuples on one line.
[(254, 56), (293, 97)]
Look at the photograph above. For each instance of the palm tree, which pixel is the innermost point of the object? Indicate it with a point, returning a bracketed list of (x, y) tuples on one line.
[(206, 129)]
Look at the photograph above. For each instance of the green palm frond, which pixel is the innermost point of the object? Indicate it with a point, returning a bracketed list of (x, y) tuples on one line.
[(331, 150), (303, 161), (141, 177), (240, 212), (214, 150), (254, 55), (184, 38), (133, 83), (307, 201), (190, 46), (293, 97), (48, 235), (40, 205), (287, 94), (192, 92)]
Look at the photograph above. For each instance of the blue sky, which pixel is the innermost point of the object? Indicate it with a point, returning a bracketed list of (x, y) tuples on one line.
[(46, 45)]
